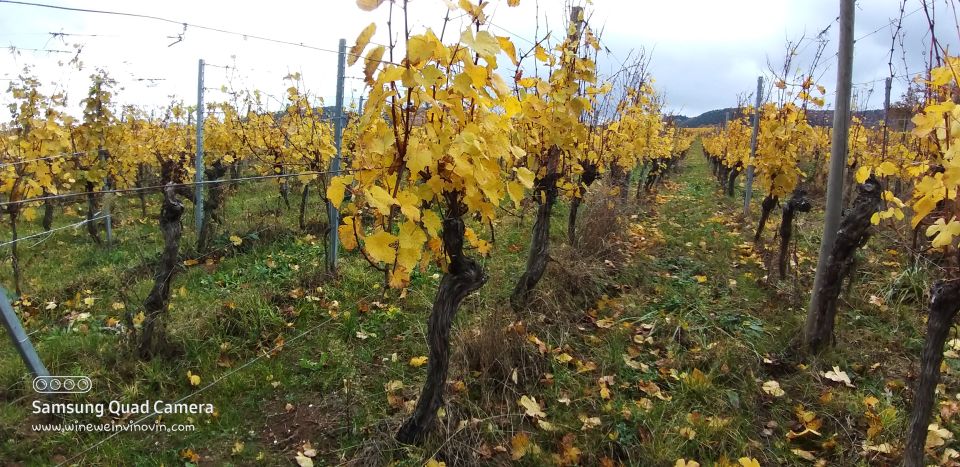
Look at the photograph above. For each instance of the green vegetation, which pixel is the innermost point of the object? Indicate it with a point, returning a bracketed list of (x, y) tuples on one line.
[(660, 339)]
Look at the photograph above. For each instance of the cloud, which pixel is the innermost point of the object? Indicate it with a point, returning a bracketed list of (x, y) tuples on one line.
[(705, 52)]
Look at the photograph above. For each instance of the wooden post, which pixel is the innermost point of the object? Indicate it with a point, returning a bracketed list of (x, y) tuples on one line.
[(838, 161)]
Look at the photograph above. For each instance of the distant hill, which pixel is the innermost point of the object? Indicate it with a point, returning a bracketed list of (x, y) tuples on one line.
[(816, 117), (708, 118)]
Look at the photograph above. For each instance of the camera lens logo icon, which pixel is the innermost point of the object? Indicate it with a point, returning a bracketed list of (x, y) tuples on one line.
[(62, 384)]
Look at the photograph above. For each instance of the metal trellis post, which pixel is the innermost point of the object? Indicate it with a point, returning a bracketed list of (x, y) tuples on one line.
[(748, 187), (20, 339), (333, 215), (198, 177)]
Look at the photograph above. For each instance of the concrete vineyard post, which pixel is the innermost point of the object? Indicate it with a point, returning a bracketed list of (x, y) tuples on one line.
[(748, 187)]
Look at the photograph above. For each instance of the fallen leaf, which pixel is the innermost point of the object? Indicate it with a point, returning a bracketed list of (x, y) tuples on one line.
[(531, 407), (936, 436), (838, 376), (519, 444), (773, 388), (589, 422), (418, 362), (303, 461)]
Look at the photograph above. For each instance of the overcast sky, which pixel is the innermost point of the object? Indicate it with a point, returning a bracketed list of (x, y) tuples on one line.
[(705, 52)]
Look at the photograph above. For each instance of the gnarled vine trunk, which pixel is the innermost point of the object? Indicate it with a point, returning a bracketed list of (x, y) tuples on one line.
[(944, 305), (798, 202), (766, 207), (732, 178), (47, 214), (641, 177), (153, 340), (589, 175), (302, 218), (92, 207), (463, 277), (545, 190), (14, 211), (142, 194), (211, 205), (855, 230)]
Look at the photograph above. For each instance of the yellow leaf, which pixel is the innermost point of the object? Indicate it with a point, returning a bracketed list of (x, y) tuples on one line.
[(531, 407), (432, 222), (418, 158), (483, 43), (807, 455), (748, 462), (589, 422), (483, 247), (508, 48), (936, 436), (362, 40), (515, 190), (525, 176), (237, 241), (511, 105), (371, 62), (921, 208), (519, 444), (940, 76), (943, 232), (773, 388), (477, 74), (686, 463), (838, 376), (302, 460), (419, 49), (190, 456), (546, 426), (347, 235), (193, 379), (379, 246), (418, 362), (700, 279), (435, 463), (863, 173), (337, 189), (409, 205), (541, 54), (380, 199), (513, 2), (369, 5)]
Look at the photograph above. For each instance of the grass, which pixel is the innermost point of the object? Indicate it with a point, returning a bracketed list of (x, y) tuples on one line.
[(653, 349)]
